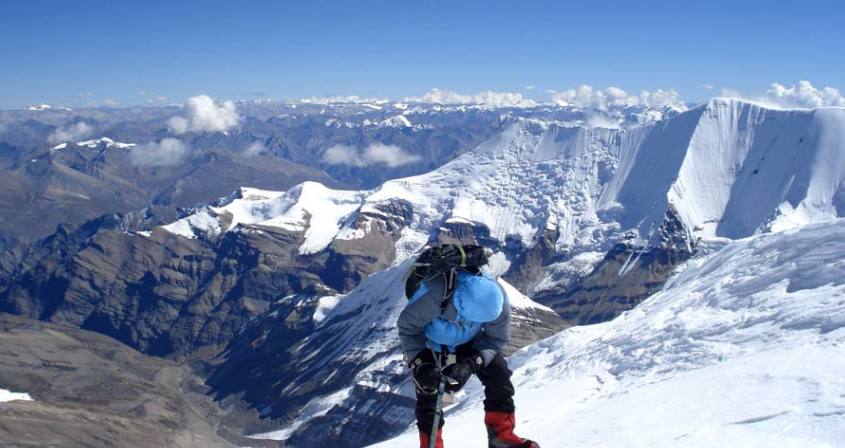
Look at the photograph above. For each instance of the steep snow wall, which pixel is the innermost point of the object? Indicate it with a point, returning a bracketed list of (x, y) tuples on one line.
[(748, 168)]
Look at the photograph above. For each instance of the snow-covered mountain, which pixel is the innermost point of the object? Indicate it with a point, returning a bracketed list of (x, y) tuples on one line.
[(743, 348), (725, 169), (102, 142), (372, 140)]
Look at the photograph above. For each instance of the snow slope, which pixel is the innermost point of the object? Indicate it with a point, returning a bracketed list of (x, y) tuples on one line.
[(7, 396), (744, 348)]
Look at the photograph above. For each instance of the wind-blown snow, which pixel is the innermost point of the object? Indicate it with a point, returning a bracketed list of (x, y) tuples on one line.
[(742, 349), (7, 396)]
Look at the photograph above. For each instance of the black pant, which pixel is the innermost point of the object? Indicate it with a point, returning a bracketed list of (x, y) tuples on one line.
[(498, 390)]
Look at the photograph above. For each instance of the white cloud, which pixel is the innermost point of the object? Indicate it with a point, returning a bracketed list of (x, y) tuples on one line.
[(157, 99), (389, 155), (111, 102), (529, 87), (804, 95), (167, 152), (586, 96), (486, 98), (341, 155), (354, 99), (255, 148), (70, 133), (374, 154), (203, 114), (708, 86), (151, 98)]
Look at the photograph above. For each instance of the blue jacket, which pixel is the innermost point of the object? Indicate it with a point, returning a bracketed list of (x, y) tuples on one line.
[(478, 312)]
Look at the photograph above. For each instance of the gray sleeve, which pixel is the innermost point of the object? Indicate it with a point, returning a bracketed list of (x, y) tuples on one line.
[(414, 318), (494, 335)]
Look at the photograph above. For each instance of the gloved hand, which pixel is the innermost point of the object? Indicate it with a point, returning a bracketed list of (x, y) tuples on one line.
[(458, 374), (424, 372)]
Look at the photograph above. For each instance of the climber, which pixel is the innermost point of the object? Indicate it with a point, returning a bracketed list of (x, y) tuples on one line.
[(458, 319)]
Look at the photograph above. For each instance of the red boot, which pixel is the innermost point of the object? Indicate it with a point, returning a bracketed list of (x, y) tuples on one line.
[(424, 440), (500, 431)]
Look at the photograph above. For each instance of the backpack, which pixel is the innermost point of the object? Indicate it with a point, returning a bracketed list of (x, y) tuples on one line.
[(444, 261)]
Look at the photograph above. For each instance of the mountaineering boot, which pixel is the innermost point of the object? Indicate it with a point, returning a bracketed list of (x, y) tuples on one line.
[(500, 431), (424, 440)]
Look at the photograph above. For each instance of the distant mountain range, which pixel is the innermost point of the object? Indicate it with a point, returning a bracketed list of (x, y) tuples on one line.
[(58, 165)]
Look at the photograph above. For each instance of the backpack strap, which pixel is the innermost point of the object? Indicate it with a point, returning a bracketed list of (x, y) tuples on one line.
[(449, 281), (463, 256)]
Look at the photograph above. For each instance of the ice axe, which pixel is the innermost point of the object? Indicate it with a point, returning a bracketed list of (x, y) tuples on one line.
[(441, 390)]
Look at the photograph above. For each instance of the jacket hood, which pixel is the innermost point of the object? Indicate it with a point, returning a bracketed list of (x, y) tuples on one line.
[(478, 298)]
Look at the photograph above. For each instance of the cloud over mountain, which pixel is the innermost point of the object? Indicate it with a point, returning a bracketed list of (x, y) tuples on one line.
[(255, 148), (70, 132), (374, 154), (804, 94), (202, 113), (487, 98), (167, 152), (586, 96)]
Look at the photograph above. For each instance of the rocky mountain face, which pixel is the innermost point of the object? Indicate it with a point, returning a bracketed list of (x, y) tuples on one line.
[(90, 390), (45, 187), (289, 297), (168, 295)]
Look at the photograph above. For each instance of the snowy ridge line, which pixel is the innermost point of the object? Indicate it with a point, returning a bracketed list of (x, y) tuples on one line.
[(742, 348), (294, 210), (95, 143)]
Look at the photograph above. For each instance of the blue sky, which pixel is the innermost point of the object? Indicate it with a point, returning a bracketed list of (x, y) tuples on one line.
[(76, 53)]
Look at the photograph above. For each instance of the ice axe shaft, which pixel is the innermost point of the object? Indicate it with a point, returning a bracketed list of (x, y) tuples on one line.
[(438, 407)]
